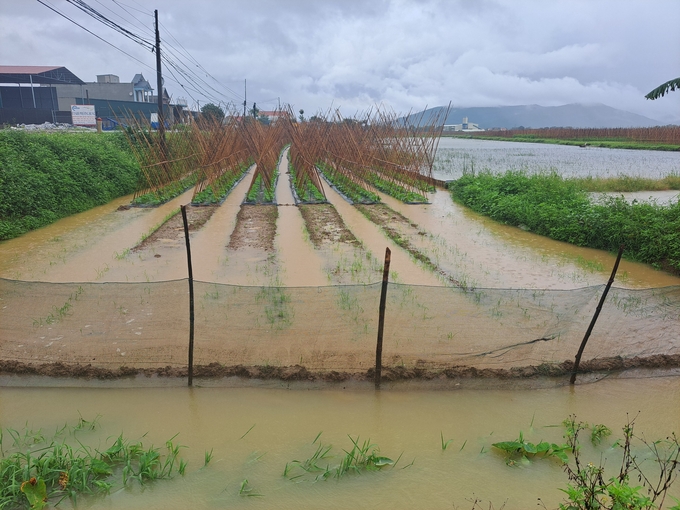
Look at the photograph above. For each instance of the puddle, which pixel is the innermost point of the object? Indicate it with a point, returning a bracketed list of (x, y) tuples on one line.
[(254, 432)]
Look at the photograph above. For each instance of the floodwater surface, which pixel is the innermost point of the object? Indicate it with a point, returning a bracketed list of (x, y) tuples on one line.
[(456, 155), (255, 432)]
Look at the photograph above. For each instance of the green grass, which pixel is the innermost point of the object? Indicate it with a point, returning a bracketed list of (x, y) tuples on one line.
[(558, 208), (36, 470), (361, 458), (48, 176), (625, 183)]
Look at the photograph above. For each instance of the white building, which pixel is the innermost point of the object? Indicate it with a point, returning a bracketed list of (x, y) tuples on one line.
[(465, 126)]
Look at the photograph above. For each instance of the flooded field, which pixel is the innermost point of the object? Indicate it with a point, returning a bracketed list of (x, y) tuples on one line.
[(289, 285), (458, 154), (254, 432)]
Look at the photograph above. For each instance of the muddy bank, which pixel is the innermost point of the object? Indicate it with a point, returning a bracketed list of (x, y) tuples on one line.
[(212, 371), (255, 228), (325, 225), (173, 229)]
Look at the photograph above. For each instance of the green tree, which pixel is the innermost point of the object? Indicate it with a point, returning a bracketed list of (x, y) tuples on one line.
[(212, 112), (662, 90)]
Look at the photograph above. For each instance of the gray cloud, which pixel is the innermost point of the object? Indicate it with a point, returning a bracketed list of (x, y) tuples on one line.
[(354, 53)]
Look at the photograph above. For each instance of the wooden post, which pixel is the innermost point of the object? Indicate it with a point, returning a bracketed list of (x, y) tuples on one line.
[(381, 319), (597, 314), (191, 298)]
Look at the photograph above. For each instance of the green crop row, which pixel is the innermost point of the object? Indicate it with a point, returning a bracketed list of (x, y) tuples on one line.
[(259, 193), (166, 193), (307, 192), (214, 193), (395, 190), (348, 187), (48, 176), (558, 208)]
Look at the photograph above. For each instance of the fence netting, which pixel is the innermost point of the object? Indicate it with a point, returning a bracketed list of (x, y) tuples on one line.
[(144, 325)]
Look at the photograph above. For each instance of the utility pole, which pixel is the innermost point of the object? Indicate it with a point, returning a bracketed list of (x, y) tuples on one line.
[(245, 97), (159, 85)]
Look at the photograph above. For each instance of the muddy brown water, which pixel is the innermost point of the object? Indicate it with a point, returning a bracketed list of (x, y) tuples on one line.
[(283, 423)]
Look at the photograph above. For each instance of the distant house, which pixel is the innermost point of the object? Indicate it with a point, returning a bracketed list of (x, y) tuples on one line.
[(465, 126), (37, 94), (107, 87), (275, 115)]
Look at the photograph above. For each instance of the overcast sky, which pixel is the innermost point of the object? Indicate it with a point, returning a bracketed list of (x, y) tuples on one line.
[(405, 54)]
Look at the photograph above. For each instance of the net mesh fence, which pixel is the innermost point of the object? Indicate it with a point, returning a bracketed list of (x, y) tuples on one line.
[(147, 325)]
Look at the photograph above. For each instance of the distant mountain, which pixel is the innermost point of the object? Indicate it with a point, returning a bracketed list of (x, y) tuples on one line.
[(534, 116)]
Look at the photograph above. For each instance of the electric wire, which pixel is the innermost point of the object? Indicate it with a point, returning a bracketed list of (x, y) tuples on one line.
[(172, 56)]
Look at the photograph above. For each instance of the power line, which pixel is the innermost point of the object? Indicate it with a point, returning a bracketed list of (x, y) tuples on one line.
[(92, 33), (172, 56)]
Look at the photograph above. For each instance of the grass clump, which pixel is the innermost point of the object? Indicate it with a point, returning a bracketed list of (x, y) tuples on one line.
[(36, 470), (48, 176), (361, 458), (558, 208)]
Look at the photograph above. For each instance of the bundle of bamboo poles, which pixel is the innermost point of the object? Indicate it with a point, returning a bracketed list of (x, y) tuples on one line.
[(375, 146)]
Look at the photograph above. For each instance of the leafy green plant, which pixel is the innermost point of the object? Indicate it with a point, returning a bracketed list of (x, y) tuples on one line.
[(219, 189), (347, 187), (36, 470), (520, 448), (590, 488), (166, 193), (549, 205), (47, 176), (394, 189), (306, 191)]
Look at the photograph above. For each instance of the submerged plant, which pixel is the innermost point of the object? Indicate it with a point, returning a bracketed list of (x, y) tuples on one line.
[(362, 457), (526, 450), (35, 470)]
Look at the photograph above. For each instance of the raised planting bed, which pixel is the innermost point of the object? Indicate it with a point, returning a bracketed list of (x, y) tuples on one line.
[(218, 191), (350, 190), (255, 228), (307, 193)]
